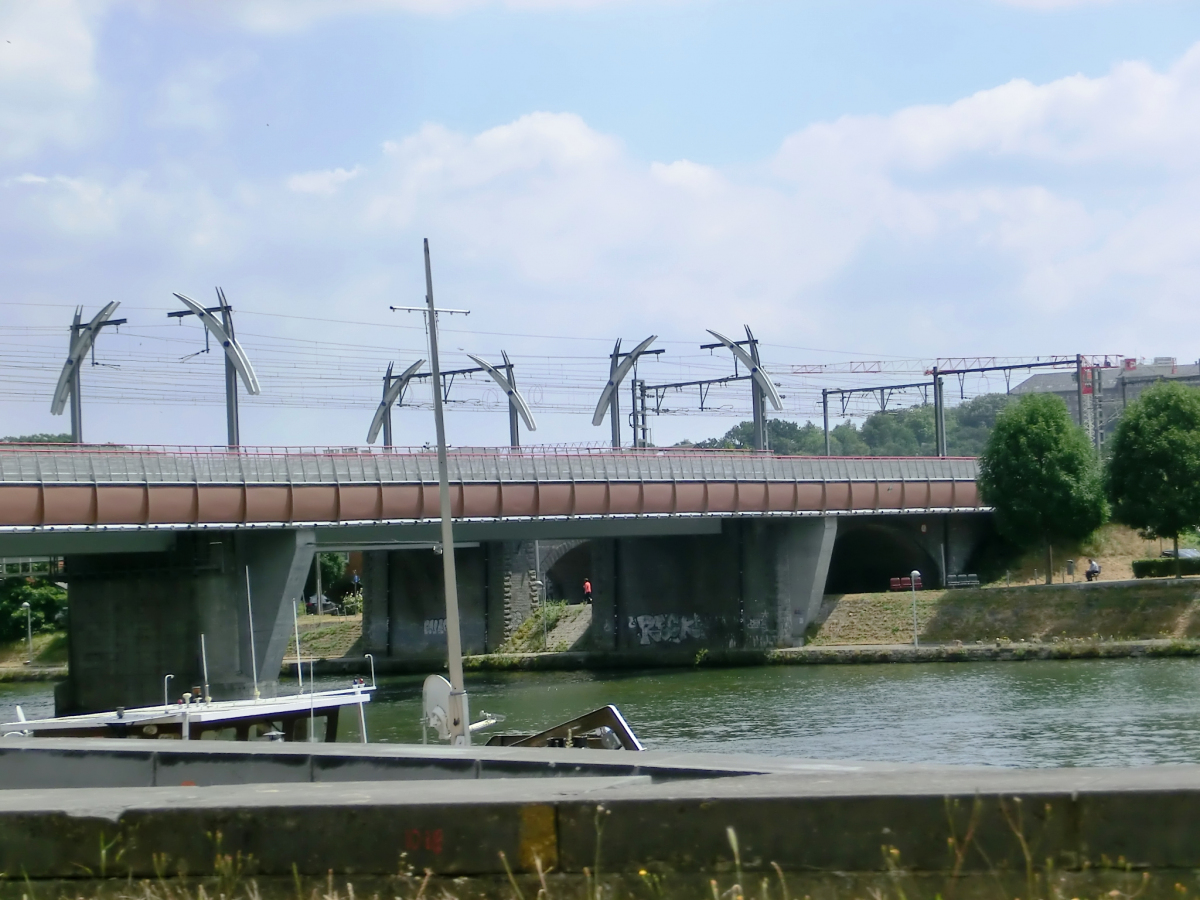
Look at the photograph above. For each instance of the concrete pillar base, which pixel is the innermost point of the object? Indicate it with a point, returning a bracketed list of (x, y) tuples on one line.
[(135, 618)]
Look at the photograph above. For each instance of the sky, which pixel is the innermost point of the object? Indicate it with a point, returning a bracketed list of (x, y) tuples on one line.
[(869, 186)]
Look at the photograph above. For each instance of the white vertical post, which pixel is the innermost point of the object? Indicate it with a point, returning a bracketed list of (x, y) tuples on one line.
[(253, 655), (299, 664), (362, 714), (460, 732), (28, 628), (204, 669), (913, 578)]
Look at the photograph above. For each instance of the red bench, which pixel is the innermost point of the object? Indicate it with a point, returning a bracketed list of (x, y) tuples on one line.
[(905, 583)]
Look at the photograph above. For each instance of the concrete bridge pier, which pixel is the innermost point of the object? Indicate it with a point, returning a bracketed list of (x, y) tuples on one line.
[(755, 585), (136, 617)]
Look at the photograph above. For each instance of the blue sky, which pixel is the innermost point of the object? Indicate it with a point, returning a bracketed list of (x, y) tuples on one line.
[(857, 181)]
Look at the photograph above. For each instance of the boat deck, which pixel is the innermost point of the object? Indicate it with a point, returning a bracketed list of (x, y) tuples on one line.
[(290, 718)]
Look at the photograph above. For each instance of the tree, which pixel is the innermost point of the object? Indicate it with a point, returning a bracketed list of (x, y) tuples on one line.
[(896, 432), (333, 568), (47, 604), (969, 424), (37, 439), (1153, 475), (1039, 473)]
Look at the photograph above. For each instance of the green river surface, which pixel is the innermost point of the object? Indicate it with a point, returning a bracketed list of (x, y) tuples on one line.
[(1120, 712)]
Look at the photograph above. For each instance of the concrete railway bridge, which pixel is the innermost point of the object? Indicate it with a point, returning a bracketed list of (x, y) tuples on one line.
[(684, 548)]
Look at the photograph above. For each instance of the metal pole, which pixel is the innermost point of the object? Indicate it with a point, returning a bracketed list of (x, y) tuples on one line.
[(514, 421), (913, 576), (253, 653), (299, 660), (758, 400), (614, 408), (644, 421), (167, 692), (460, 732), (941, 417), (387, 416), (320, 590), (76, 399), (204, 668), (1079, 386), (937, 417), (28, 628), (825, 413), (231, 392), (633, 407)]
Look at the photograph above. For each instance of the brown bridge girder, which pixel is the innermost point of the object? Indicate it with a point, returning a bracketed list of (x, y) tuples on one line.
[(720, 485)]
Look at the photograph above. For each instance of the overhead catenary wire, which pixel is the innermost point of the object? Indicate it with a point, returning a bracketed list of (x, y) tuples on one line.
[(148, 364)]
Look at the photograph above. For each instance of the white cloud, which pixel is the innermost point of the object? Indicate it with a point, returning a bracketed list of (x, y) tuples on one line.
[(47, 74), (295, 15), (188, 98), (324, 182), (1045, 5), (1023, 219)]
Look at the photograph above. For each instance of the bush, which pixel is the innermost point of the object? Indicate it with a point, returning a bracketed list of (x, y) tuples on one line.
[(352, 603), (1164, 567), (47, 603)]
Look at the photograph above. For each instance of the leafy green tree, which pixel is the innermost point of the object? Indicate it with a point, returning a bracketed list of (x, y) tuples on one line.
[(47, 604), (37, 439), (333, 568), (1039, 473), (969, 424), (898, 432), (1153, 475)]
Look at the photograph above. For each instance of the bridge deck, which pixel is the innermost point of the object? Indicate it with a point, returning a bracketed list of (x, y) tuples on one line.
[(54, 486)]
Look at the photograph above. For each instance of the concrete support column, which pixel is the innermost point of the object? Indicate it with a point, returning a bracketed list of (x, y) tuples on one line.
[(135, 618), (417, 602), (375, 601), (675, 593), (278, 564), (802, 567), (609, 599), (784, 565)]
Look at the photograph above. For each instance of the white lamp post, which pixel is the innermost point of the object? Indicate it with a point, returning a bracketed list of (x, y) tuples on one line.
[(28, 630), (913, 578)]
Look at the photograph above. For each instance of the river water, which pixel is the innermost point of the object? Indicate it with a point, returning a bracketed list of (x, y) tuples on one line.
[(1048, 713)]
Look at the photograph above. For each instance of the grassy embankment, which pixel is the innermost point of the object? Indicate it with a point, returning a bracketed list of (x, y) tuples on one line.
[(49, 652), (556, 627), (1149, 610), (1115, 547), (328, 637)]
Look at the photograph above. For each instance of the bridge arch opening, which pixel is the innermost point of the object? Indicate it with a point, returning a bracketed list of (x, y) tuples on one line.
[(564, 579), (867, 556)]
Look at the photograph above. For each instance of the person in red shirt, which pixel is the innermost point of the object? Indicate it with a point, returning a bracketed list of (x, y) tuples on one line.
[(587, 590)]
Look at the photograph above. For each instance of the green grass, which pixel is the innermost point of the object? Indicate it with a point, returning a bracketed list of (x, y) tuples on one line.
[(1145, 611), (528, 636), (49, 649)]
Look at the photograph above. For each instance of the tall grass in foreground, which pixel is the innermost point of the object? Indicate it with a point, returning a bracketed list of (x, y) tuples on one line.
[(1038, 880)]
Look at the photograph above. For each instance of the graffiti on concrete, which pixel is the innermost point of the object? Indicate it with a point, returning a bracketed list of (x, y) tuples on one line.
[(435, 626), (670, 628), (758, 632)]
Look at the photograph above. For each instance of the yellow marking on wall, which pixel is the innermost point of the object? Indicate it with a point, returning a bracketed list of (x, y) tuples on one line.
[(538, 837)]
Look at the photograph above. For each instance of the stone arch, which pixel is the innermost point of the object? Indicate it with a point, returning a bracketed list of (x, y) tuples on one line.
[(867, 555), (553, 551), (564, 578)]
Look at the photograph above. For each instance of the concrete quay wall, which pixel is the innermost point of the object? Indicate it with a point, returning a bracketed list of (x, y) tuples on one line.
[(454, 812)]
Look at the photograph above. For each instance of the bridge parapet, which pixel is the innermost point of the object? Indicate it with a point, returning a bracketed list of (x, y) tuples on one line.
[(163, 487)]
